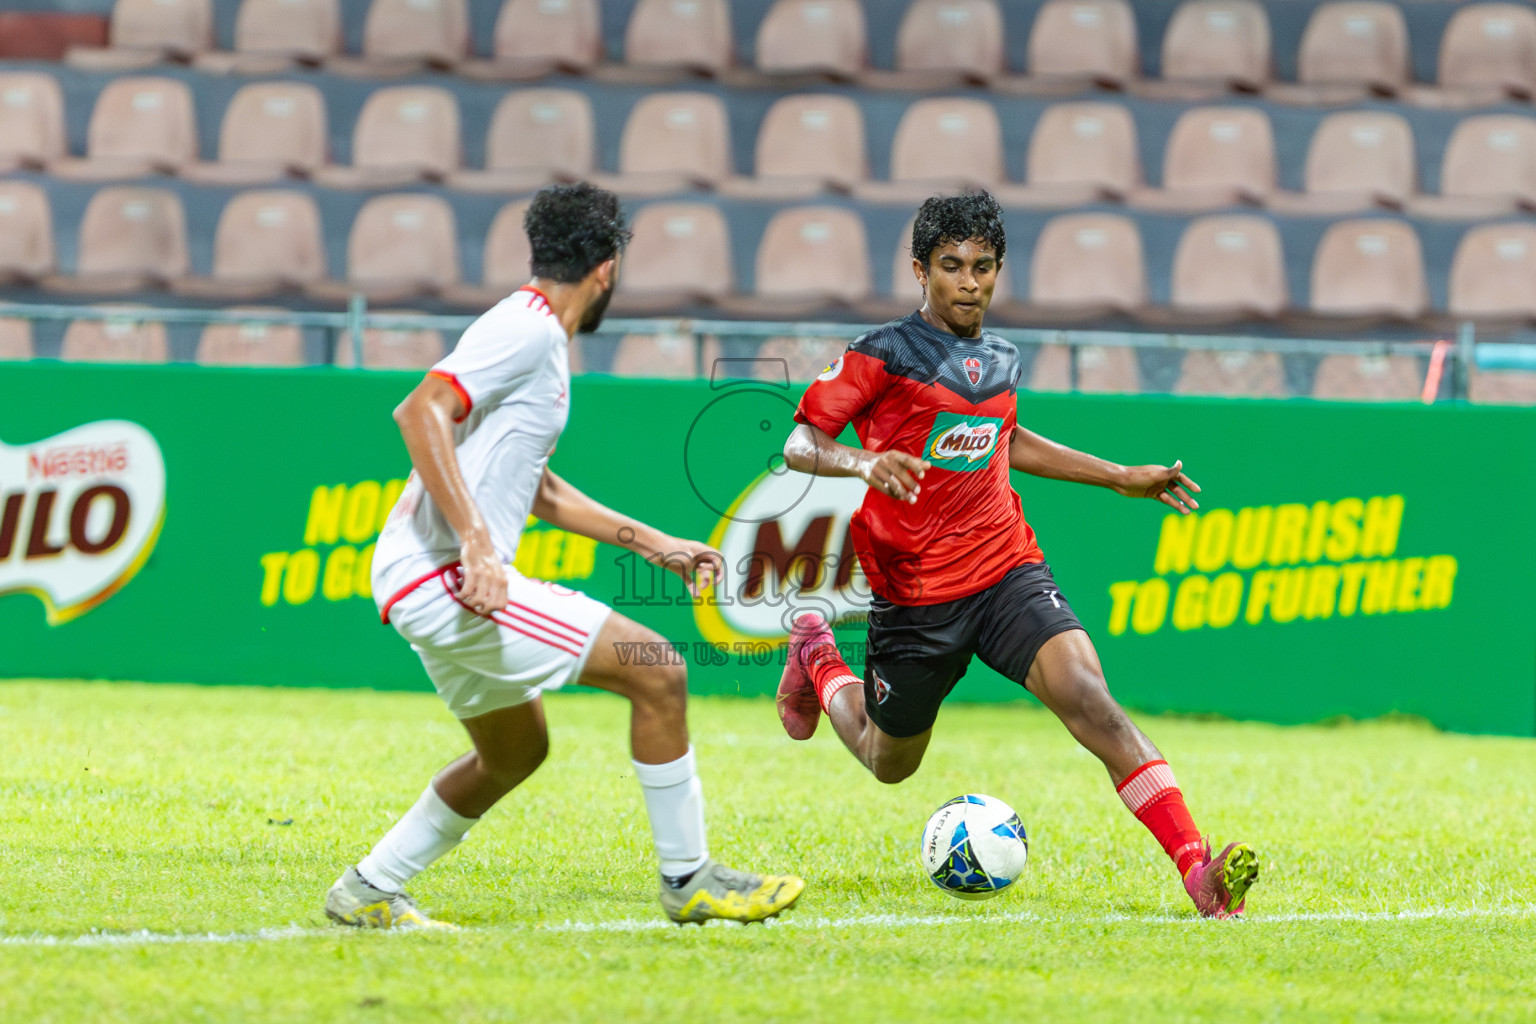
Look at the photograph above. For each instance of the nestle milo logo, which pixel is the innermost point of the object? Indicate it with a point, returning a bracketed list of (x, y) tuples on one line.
[(960, 442)]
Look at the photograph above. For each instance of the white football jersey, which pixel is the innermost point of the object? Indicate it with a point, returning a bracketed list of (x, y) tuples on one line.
[(512, 371)]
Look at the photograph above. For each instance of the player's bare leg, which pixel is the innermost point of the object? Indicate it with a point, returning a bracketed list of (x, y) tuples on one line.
[(1068, 679), (694, 887), (890, 759)]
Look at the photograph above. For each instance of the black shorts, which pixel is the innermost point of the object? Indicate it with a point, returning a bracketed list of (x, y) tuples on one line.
[(917, 653)]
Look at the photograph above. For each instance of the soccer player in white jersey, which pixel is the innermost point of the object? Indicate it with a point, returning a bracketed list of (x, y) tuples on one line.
[(480, 429)]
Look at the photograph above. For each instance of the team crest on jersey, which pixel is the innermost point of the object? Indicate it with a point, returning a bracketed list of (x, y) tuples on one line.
[(962, 443), (833, 370), (973, 370), (882, 688)]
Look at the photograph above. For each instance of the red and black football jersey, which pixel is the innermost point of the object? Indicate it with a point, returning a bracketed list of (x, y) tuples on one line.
[(949, 400)]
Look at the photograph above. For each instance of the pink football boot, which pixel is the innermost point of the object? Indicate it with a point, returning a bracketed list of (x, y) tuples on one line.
[(799, 707)]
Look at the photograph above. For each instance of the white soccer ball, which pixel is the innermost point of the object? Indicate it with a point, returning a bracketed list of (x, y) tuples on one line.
[(974, 847)]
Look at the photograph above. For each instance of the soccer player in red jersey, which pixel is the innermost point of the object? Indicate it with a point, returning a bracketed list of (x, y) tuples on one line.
[(953, 565)]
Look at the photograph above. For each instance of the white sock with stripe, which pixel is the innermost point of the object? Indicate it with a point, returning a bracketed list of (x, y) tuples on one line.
[(674, 800), (427, 831)]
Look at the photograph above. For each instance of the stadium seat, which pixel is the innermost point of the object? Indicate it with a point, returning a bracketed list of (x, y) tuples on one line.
[(26, 233), (536, 136), (1088, 260), (1493, 273), (825, 36), (804, 357), (1357, 159), (252, 343), (16, 338), (963, 36), (130, 238), (404, 134), (906, 290), (1230, 263), (1489, 169), (270, 130), (559, 33), (266, 239), (672, 140), (401, 34), (508, 256), (1368, 378), (1500, 387), (139, 125), (1216, 156), (1490, 45), (692, 34), (663, 356), (48, 35), (145, 32), (1100, 369), (1369, 268), (941, 144), (1231, 374), (403, 244), (1079, 152), (806, 144), (126, 338), (297, 29), (1219, 40), (389, 348), (680, 253), (811, 253), (31, 120), (1361, 42), (1085, 39)]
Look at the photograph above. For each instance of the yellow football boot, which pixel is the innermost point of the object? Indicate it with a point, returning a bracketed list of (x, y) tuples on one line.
[(352, 901), (716, 891)]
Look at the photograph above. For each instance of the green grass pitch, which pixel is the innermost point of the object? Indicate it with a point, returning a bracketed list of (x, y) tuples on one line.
[(1397, 875)]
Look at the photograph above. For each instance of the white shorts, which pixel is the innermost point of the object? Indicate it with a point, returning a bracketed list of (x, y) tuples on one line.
[(480, 663)]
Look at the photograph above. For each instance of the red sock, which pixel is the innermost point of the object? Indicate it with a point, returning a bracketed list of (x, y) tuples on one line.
[(828, 671), (1151, 794)]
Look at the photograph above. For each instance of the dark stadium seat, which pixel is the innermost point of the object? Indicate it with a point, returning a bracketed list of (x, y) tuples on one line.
[(559, 33), (139, 125), (387, 348), (127, 338), (403, 244), (1085, 38), (1368, 378), (680, 253), (1493, 274), (811, 253), (253, 343), (1489, 169), (947, 143), (1369, 267), (691, 34), (1216, 156), (1088, 261), (825, 36), (146, 32), (806, 144), (1490, 44), (1100, 370), (31, 119), (1079, 152), (16, 338), (268, 239), (1357, 159), (1231, 374), (403, 134), (270, 130), (130, 237), (1230, 263), (673, 140), (1363, 42), (536, 136), (26, 233), (1219, 40), (964, 36)]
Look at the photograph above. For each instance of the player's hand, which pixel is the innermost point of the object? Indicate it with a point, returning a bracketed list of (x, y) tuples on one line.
[(484, 585), (698, 565), (895, 474), (1168, 484)]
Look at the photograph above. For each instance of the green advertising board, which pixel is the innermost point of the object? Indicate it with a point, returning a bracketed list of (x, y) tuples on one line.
[(182, 523)]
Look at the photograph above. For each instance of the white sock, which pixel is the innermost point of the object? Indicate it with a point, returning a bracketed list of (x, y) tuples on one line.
[(675, 802), (428, 830)]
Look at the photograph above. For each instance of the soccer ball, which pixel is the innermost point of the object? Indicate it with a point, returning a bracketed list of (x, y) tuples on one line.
[(974, 847)]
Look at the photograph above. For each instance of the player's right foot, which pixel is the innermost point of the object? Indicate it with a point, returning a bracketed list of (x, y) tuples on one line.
[(716, 891), (1219, 884), (352, 901), (799, 707)]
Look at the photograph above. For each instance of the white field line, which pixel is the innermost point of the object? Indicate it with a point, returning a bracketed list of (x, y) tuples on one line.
[(147, 938)]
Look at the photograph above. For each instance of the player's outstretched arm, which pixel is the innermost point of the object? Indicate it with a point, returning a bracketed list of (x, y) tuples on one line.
[(812, 450), (1030, 453), (565, 507), (426, 419)]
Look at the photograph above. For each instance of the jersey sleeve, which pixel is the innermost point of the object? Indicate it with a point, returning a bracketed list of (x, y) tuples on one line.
[(844, 390), (495, 355)]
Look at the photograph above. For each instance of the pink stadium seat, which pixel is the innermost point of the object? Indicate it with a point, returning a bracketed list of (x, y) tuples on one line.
[(269, 238), (180, 27), (429, 30), (1089, 260), (120, 339), (31, 119), (804, 357), (1490, 44), (814, 252), (307, 29), (1489, 168), (942, 144), (1085, 38), (1502, 387), (1082, 151), (806, 144), (139, 125), (253, 343), (904, 286), (1356, 159), (565, 33), (656, 356), (1369, 267), (1494, 272), (403, 134), (1231, 374), (130, 237), (26, 232), (1222, 40), (1216, 156), (1362, 42), (826, 36), (673, 140), (1100, 370), (1368, 378), (16, 339), (402, 244), (679, 250), (271, 129), (508, 256), (952, 35), (536, 136), (694, 34), (1230, 263), (388, 348)]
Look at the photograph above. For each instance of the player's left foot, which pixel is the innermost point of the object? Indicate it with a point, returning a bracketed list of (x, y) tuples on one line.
[(799, 707), (1219, 884), (352, 901), (716, 891)]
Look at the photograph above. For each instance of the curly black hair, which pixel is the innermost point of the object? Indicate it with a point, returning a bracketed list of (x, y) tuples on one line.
[(572, 229), (955, 219)]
